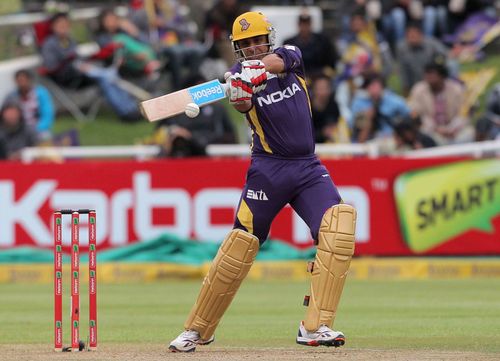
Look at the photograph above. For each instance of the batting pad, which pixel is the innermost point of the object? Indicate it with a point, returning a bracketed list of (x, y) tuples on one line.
[(333, 257), (229, 267)]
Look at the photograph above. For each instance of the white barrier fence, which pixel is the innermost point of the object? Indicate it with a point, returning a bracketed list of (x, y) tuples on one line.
[(370, 150), (229, 150), (138, 152), (476, 150)]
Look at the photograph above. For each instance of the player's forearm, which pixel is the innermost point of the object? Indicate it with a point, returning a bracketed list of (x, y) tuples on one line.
[(274, 64), (243, 107)]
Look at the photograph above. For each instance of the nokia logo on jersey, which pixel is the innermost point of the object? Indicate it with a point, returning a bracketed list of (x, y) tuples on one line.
[(278, 96)]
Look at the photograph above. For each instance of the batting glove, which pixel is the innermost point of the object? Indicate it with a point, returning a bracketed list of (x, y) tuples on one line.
[(240, 88), (255, 71)]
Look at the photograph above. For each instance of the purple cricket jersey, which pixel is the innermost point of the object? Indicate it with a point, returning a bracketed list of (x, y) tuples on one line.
[(280, 118), (284, 168)]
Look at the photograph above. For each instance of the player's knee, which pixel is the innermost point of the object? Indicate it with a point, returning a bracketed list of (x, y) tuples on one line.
[(260, 234), (241, 246), (338, 224)]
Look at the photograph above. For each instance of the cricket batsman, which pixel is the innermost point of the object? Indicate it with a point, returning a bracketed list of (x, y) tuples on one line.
[(268, 85)]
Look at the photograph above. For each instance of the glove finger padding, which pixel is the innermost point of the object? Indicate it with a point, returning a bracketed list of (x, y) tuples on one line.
[(240, 89), (255, 71)]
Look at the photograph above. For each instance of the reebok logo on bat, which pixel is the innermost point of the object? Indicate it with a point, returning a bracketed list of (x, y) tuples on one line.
[(278, 96), (206, 93)]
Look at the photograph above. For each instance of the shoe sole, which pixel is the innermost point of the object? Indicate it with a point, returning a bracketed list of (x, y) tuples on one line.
[(208, 342), (172, 348), (337, 342)]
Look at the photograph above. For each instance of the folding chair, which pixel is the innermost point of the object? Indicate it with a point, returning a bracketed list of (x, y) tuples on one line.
[(83, 104)]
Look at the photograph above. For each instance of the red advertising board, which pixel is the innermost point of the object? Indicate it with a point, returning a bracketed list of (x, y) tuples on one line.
[(196, 198)]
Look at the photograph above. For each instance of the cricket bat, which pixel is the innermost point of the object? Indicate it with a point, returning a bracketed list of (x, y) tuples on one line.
[(172, 104)]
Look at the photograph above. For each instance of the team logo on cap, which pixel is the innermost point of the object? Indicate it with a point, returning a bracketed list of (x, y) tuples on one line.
[(244, 24)]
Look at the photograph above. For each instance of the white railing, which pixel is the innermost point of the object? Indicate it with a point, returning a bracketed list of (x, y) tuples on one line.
[(138, 152), (143, 152), (476, 150), (241, 150)]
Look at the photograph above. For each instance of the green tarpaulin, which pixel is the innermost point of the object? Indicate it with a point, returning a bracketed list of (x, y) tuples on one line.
[(166, 248)]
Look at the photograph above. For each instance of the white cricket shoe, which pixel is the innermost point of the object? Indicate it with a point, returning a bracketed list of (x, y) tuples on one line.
[(187, 341), (323, 336)]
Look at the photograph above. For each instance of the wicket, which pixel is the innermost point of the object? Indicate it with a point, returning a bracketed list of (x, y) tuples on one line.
[(75, 279)]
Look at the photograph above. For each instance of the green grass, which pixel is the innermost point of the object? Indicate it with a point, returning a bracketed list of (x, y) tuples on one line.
[(106, 129), (434, 315)]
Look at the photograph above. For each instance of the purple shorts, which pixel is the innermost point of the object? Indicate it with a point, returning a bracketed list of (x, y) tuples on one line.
[(273, 182)]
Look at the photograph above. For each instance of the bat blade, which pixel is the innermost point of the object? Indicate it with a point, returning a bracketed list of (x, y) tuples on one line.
[(172, 104)]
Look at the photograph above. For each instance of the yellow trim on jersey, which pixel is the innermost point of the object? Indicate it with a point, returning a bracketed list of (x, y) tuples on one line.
[(245, 216), (252, 115), (251, 138), (304, 85)]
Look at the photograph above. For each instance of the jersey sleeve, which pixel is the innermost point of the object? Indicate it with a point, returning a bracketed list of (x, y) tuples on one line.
[(292, 56), (236, 68)]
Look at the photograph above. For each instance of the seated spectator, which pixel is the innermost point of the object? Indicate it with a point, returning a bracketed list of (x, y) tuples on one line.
[(36, 104), (218, 27), (67, 68), (363, 51), (438, 101), (408, 136), (488, 128), (185, 137), (414, 52), (325, 112), (350, 80), (346, 88), (364, 44), (14, 131), (120, 35), (173, 34), (395, 16), (435, 20), (375, 110), (348, 7), (488, 125), (318, 52)]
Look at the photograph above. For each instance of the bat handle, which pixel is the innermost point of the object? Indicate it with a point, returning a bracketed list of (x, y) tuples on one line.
[(226, 85)]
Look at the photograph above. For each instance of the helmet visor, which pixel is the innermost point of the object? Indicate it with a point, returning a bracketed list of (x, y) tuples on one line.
[(253, 48)]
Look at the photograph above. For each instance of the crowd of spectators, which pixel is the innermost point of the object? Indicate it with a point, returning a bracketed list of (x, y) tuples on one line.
[(422, 43), (418, 42)]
